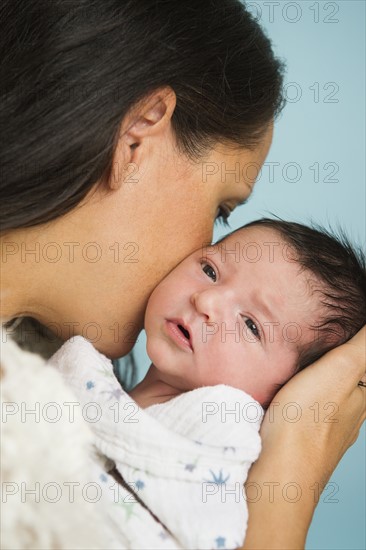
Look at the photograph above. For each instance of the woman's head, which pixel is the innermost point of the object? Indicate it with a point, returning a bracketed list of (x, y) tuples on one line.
[(71, 80), (128, 122)]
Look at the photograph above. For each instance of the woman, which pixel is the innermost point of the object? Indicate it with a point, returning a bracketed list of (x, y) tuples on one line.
[(116, 113)]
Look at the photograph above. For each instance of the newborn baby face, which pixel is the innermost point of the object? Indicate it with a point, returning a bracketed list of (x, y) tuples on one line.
[(235, 313)]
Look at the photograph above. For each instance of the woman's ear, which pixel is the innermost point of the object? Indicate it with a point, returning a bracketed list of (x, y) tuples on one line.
[(149, 118)]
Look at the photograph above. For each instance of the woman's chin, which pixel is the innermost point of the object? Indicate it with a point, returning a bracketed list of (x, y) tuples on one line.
[(114, 350)]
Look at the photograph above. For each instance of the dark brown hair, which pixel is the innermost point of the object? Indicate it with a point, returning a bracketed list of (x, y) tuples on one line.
[(340, 267), (70, 72)]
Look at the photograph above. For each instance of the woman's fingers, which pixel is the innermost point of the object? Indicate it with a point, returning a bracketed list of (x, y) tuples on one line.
[(345, 365), (355, 352), (360, 395), (310, 424), (319, 412)]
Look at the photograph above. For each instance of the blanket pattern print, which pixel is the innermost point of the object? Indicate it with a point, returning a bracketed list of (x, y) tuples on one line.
[(172, 473)]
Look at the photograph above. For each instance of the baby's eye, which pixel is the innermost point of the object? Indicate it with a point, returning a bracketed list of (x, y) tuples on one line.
[(209, 270), (252, 327), (222, 216)]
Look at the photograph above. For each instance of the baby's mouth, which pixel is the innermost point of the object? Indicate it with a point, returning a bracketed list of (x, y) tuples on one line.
[(185, 332), (182, 330)]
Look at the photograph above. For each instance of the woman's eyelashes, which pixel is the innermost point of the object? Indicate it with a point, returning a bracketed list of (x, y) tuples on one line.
[(222, 216), (253, 327), (209, 270)]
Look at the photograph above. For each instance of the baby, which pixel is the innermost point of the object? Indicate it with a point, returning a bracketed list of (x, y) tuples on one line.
[(251, 311), (225, 330)]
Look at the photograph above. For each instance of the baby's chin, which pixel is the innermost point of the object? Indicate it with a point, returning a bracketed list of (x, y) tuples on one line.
[(266, 400), (263, 397)]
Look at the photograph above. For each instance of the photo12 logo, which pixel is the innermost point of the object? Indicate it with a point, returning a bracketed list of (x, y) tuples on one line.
[(293, 12)]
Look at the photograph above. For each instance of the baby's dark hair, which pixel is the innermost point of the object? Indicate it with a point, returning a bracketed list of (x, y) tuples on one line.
[(340, 267)]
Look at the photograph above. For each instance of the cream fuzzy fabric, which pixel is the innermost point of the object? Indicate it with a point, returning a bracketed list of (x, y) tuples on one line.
[(185, 466), (45, 456)]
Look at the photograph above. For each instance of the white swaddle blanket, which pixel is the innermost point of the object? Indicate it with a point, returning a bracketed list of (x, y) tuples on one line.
[(186, 460)]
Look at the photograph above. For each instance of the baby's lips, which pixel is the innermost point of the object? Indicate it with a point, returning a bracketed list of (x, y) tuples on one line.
[(180, 323)]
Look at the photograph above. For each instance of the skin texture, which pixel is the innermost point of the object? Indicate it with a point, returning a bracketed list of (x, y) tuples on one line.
[(247, 319), (109, 292), (305, 452), (142, 229)]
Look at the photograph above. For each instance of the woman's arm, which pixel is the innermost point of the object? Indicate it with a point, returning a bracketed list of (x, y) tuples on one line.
[(310, 424)]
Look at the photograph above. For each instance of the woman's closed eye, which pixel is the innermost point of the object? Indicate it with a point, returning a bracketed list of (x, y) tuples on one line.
[(253, 327), (222, 216), (209, 270)]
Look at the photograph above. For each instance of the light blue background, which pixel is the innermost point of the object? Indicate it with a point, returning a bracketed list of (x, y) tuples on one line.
[(321, 132)]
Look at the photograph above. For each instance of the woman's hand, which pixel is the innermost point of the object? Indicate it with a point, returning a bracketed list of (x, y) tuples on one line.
[(308, 427), (328, 407)]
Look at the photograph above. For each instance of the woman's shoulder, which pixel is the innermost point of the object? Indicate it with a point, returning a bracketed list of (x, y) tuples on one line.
[(36, 448)]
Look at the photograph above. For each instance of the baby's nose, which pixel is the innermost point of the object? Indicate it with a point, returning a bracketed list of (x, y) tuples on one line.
[(207, 303)]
